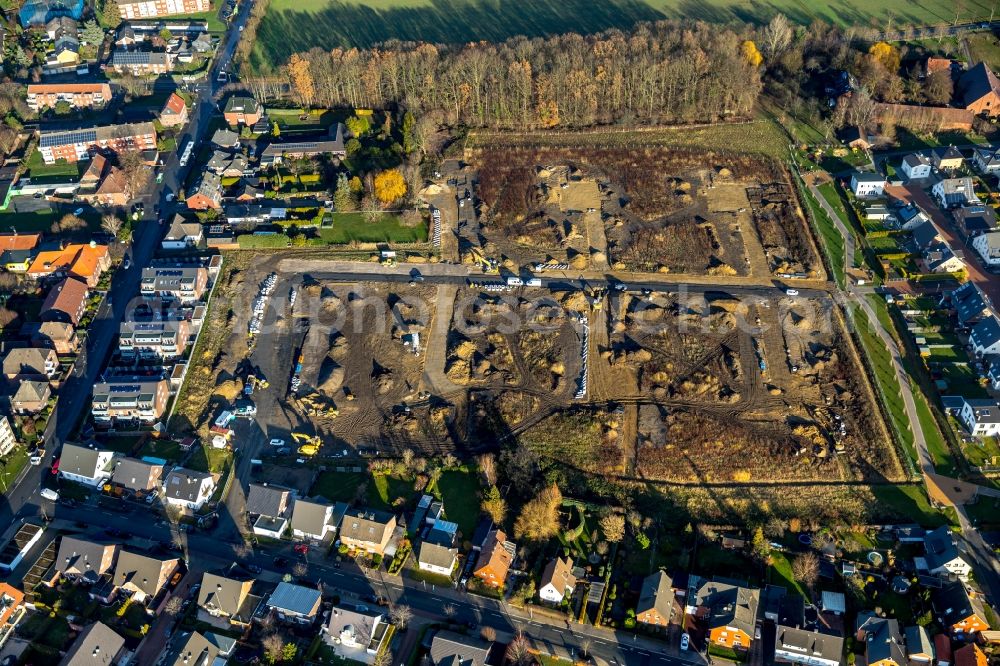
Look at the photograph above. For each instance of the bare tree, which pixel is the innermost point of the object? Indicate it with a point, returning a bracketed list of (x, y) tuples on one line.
[(273, 645), (776, 36), (111, 224), (488, 466), (449, 610), (488, 634), (300, 569), (383, 658), (400, 615), (174, 606), (585, 647), (519, 650), (370, 209), (805, 568), (137, 172)]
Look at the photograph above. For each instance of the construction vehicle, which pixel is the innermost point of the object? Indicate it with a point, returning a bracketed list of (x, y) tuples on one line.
[(595, 295), (254, 383), (313, 405), (488, 264), (310, 445), (387, 258)]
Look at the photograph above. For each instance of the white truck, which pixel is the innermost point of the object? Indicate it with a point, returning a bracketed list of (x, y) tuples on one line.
[(514, 282)]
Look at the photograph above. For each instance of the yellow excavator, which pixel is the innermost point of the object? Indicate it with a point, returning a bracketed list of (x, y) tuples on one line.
[(313, 405), (488, 264), (310, 445), (595, 295)]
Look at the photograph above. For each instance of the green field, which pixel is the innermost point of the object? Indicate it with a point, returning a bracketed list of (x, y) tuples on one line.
[(985, 47), (460, 493), (910, 501), (832, 241), (347, 227), (298, 25)]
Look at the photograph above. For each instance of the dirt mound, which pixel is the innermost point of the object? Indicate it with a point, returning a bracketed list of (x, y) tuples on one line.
[(331, 376), (229, 390)]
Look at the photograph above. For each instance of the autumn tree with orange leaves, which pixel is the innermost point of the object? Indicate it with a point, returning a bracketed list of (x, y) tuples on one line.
[(302, 79)]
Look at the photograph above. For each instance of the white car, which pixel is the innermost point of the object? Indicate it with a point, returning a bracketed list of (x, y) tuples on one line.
[(222, 77), (277, 442), (151, 497), (49, 494), (791, 292), (685, 641)]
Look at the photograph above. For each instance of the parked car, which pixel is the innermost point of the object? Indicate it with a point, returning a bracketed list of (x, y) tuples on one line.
[(49, 494), (277, 442), (685, 641)]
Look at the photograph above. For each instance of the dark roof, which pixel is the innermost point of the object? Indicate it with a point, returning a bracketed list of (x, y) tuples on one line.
[(97, 645), (265, 500), (924, 234), (951, 603), (968, 301), (184, 484), (976, 83), (142, 571), (882, 639), (126, 58), (84, 558), (331, 143), (939, 548), (241, 103), (133, 473), (729, 605), (986, 332), (451, 649), (867, 177), (915, 159), (657, 593), (810, 644)]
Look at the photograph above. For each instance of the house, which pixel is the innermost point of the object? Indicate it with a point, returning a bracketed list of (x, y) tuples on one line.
[(987, 246), (795, 645), (957, 612), (184, 283), (12, 611), (227, 164), (367, 530), (139, 476), (124, 399), (7, 438), (980, 416), (31, 363), (65, 36), (986, 160), (948, 159), (979, 91), (975, 220), (97, 645), (77, 145), (656, 600), (229, 598), (207, 192), (954, 192), (18, 250), (84, 262), (438, 558), (313, 520), (66, 302), (224, 138), (882, 640), (939, 258), (941, 555), (248, 191), (242, 109), (145, 9), (40, 12), (142, 577), (192, 649), (55, 335), (729, 612), (557, 580), (910, 217), (356, 634), (333, 144), (295, 603), (970, 655), (78, 95), (919, 648), (255, 214), (86, 561), (30, 397), (174, 112), (916, 165), (856, 137), (968, 303), (187, 488), (494, 560), (159, 339), (985, 336), (834, 603), (879, 213), (182, 234), (86, 465), (453, 649), (865, 184), (270, 506)]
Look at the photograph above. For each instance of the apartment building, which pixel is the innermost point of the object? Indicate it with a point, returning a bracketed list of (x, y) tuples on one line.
[(140, 63), (77, 95), (7, 438), (156, 8), (130, 399), (183, 283), (163, 339), (76, 145)]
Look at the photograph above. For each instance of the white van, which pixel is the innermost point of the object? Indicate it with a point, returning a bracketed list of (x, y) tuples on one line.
[(50, 494)]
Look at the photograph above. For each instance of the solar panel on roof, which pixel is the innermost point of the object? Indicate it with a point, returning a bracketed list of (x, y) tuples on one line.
[(67, 138)]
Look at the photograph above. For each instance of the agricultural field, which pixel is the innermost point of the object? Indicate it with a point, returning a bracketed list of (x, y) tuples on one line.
[(299, 25)]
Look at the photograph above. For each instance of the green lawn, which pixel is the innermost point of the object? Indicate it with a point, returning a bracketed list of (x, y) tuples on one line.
[(962, 380), (985, 513), (948, 355), (347, 227), (985, 47), (211, 17), (460, 493), (385, 491), (910, 501), (209, 459), (780, 573), (983, 451), (339, 486), (832, 241), (13, 463), (161, 448), (40, 172), (268, 242)]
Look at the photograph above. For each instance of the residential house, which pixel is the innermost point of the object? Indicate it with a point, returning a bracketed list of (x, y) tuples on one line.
[(919, 648), (85, 561), (207, 192), (227, 164), (255, 213), (242, 109), (7, 438), (987, 246), (159, 339), (247, 191), (494, 560), (916, 165), (187, 488), (97, 645), (277, 151), (84, 262), (795, 645), (17, 251), (925, 236), (269, 504), (986, 160), (295, 603), (882, 640), (910, 217), (87, 465), (40, 12), (656, 600), (30, 397), (452, 649), (139, 476), (78, 95), (856, 137), (979, 91), (31, 363), (557, 580), (184, 283), (357, 634), (224, 138), (941, 555), (192, 649), (367, 530), (958, 613), (142, 577), (954, 192), (729, 612), (124, 399), (313, 519), (940, 258), (942, 649), (968, 303), (985, 337), (975, 220), (144, 9), (55, 335), (182, 234), (174, 112), (12, 611), (980, 416), (866, 185), (437, 556), (66, 302), (229, 598), (948, 159), (970, 655), (77, 145), (103, 184), (65, 36)]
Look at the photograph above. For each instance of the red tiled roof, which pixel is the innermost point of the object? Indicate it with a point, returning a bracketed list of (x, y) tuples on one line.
[(13, 242), (174, 104), (66, 297)]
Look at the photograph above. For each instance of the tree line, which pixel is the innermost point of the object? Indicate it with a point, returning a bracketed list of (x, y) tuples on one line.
[(666, 71)]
